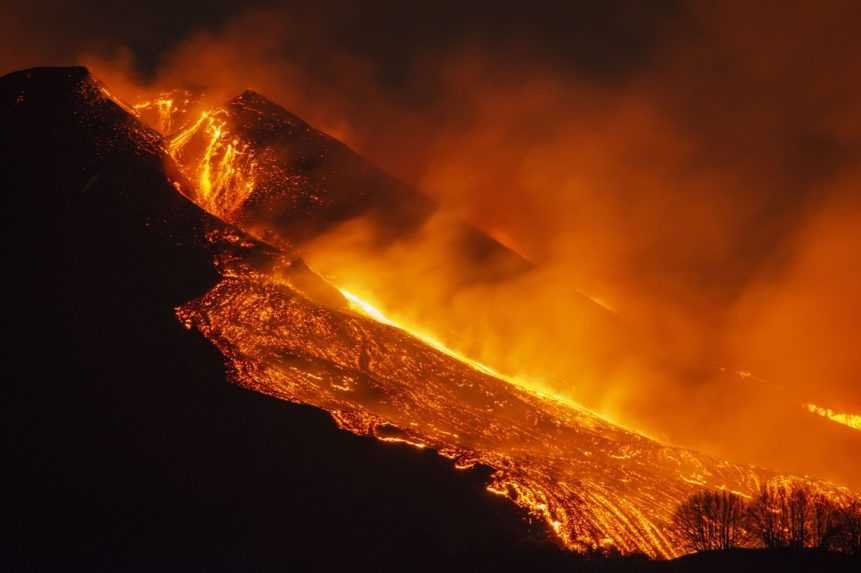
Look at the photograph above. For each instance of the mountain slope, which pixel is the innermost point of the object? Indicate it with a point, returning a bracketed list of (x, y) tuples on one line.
[(125, 447)]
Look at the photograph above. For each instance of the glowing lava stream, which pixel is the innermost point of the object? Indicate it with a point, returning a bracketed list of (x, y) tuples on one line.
[(225, 170), (851, 420), (357, 304), (369, 310)]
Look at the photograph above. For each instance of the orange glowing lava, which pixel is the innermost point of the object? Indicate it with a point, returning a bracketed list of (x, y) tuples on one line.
[(221, 164), (851, 420), (534, 387)]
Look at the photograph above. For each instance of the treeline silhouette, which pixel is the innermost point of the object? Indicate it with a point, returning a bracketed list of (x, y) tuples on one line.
[(783, 515)]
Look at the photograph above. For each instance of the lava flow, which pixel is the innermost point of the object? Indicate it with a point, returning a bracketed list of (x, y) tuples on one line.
[(595, 483), (223, 165), (850, 420)]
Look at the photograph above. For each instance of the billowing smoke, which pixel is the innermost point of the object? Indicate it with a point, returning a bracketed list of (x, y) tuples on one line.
[(695, 170)]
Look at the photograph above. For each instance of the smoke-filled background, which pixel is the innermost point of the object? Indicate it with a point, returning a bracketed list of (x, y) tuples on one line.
[(693, 167)]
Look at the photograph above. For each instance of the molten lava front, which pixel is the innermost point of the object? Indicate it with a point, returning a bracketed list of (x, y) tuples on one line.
[(593, 482), (850, 420)]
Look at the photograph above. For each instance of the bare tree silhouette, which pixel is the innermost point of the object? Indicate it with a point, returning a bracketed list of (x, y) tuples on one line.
[(779, 515), (785, 514), (712, 520), (791, 514), (826, 519), (799, 510), (846, 536)]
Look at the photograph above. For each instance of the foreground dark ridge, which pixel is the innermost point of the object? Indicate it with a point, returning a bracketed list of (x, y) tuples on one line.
[(126, 448)]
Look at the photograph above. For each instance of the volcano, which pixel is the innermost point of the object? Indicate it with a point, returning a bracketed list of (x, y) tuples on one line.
[(125, 447), (139, 285)]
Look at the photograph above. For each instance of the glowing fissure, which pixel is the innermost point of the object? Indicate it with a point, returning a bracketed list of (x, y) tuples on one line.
[(851, 420), (224, 171)]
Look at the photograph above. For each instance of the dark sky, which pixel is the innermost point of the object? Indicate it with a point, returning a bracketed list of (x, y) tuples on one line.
[(602, 39)]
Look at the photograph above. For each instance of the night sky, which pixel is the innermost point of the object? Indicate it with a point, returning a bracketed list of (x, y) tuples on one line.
[(603, 40)]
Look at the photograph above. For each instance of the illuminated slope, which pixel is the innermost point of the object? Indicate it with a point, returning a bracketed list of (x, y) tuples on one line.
[(594, 483)]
